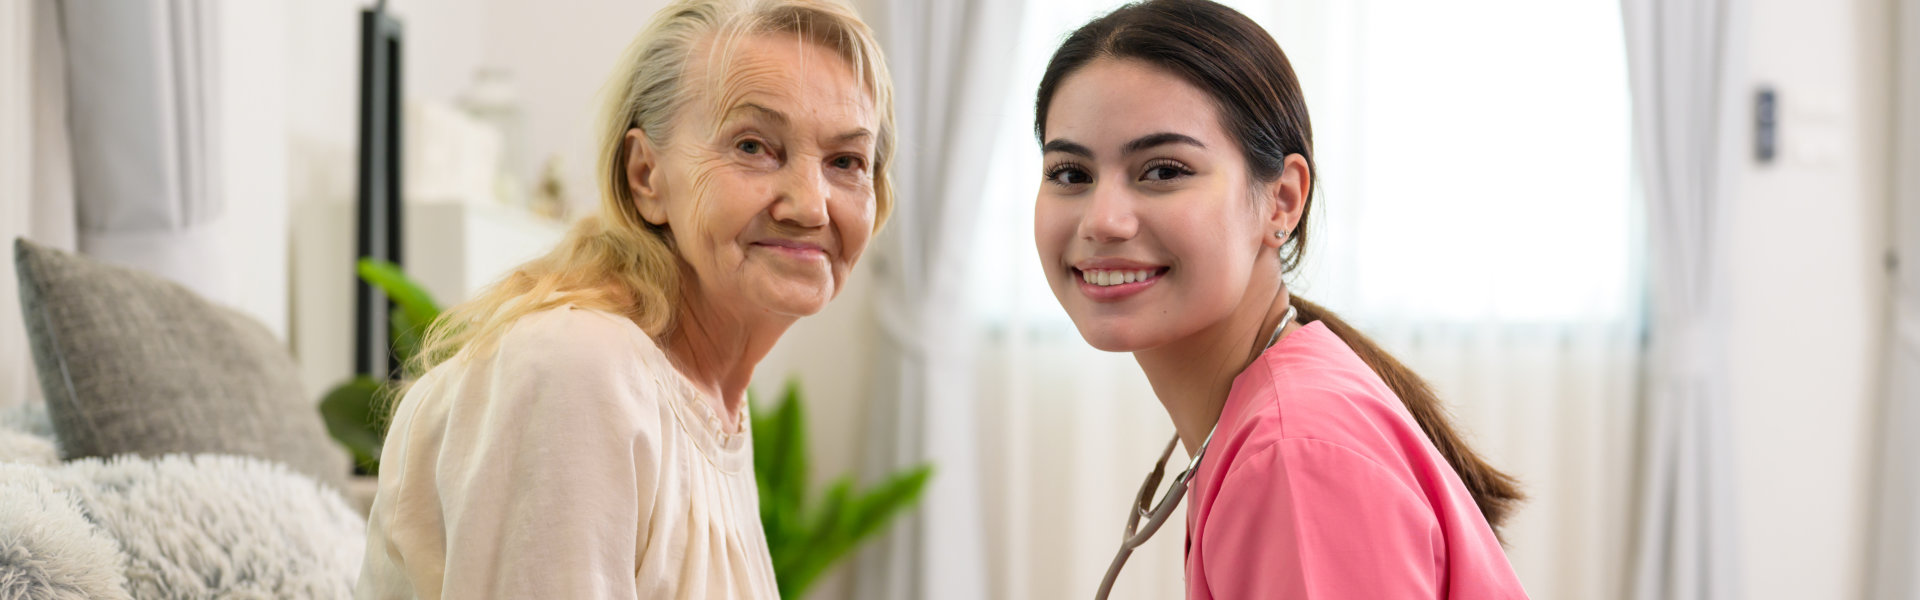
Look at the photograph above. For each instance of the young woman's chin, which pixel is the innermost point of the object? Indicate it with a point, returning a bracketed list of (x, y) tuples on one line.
[(1111, 334)]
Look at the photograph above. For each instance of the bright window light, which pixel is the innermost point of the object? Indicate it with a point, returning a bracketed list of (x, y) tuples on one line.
[(1474, 161)]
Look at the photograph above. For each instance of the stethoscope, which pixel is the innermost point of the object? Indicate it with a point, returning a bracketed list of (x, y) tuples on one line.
[(1157, 514)]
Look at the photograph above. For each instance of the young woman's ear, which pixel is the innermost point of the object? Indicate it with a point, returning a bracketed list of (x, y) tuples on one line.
[(643, 177), (1285, 199)]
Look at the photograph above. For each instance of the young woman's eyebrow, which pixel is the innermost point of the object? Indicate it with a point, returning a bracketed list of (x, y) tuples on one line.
[(1144, 142), (1059, 145), (1159, 139)]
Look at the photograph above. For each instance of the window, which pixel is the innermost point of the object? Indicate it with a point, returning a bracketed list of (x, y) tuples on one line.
[(1474, 162)]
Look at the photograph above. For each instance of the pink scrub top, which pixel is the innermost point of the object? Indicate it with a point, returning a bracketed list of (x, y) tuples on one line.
[(1319, 484)]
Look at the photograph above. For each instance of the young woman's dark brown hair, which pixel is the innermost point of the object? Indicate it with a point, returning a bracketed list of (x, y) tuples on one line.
[(1178, 184)]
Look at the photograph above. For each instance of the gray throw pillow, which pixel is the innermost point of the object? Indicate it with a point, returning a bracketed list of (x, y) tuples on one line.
[(132, 363)]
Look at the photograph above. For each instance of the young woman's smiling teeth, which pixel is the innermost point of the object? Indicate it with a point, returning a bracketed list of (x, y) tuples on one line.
[(1107, 277)]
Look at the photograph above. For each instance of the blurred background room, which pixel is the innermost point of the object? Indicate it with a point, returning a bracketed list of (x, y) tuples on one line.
[(1661, 257)]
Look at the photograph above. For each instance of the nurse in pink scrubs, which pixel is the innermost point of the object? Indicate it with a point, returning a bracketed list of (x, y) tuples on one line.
[(1178, 180)]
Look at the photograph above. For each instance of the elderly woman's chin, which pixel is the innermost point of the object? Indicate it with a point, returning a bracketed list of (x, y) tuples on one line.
[(784, 286)]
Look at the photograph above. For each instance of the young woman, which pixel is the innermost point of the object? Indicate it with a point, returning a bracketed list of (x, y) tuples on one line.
[(580, 432), (1178, 178)]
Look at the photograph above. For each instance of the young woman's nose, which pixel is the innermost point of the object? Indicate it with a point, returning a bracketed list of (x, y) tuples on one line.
[(1109, 215), (804, 192)]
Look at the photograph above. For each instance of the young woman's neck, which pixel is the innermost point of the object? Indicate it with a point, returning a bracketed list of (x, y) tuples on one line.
[(717, 351), (1192, 376)]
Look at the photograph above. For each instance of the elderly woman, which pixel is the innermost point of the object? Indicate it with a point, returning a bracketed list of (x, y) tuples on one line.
[(580, 428)]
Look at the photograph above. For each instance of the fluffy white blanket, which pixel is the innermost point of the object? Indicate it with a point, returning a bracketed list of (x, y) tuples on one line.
[(203, 526)]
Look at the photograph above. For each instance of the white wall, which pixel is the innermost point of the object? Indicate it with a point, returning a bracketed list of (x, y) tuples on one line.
[(1806, 254), (560, 54), (253, 89)]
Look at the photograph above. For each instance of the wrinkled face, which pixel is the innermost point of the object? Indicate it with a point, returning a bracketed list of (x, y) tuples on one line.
[(766, 182), (1146, 222)]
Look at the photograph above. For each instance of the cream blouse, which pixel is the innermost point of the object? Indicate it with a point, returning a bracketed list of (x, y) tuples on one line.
[(572, 462)]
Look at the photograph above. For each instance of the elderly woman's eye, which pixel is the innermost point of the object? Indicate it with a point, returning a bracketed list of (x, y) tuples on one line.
[(750, 146), (850, 163)]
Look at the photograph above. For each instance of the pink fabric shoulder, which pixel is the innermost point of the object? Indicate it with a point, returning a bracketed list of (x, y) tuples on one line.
[(1319, 484)]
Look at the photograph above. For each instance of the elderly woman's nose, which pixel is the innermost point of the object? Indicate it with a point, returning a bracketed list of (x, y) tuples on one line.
[(803, 196), (1109, 215)]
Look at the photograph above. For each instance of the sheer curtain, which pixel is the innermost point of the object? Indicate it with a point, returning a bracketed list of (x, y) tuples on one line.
[(1476, 217), (1682, 53), (156, 140), (945, 59), (16, 162), (1481, 223), (144, 97), (36, 169)]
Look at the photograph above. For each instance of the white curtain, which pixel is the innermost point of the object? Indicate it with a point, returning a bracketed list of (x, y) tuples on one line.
[(946, 59), (121, 149), (145, 119), (1478, 222), (1441, 153), (36, 169), (1681, 56), (16, 163), (1551, 404), (1896, 550), (123, 156)]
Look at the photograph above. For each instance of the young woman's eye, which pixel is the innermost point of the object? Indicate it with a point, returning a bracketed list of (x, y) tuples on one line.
[(1068, 174), (1165, 171)]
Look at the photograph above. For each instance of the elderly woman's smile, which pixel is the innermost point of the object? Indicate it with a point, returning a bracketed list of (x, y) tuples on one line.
[(795, 249)]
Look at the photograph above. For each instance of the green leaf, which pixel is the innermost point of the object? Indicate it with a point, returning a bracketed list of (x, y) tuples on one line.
[(404, 291), (824, 544), (807, 538), (875, 508), (790, 462), (354, 418)]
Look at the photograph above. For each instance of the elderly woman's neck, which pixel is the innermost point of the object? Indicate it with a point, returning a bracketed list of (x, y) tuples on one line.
[(717, 353)]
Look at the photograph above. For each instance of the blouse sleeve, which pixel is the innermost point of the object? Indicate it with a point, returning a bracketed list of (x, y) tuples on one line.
[(1306, 518), (543, 481)]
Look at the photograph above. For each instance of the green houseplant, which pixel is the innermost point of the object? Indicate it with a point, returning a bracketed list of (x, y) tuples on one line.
[(356, 409), (805, 535)]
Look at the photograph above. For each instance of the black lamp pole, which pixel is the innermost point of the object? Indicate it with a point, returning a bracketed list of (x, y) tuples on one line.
[(379, 214)]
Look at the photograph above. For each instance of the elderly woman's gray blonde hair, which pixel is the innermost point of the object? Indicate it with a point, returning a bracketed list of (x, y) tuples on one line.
[(615, 260)]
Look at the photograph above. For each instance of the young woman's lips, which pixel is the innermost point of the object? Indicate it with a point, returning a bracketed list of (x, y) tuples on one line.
[(1113, 283), (793, 249)]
